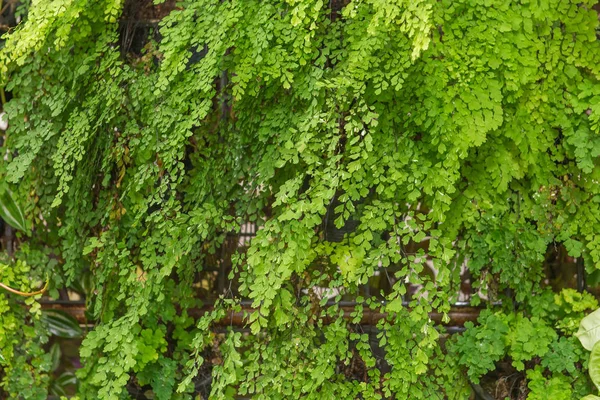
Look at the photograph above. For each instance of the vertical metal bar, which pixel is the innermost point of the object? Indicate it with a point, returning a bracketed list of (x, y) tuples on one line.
[(8, 239), (581, 286)]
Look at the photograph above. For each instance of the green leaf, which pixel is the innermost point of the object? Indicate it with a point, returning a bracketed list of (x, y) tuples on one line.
[(67, 378), (58, 386), (55, 355), (395, 305), (61, 324), (594, 365), (10, 211), (589, 330)]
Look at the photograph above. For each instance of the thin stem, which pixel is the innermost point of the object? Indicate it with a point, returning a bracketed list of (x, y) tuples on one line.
[(42, 290)]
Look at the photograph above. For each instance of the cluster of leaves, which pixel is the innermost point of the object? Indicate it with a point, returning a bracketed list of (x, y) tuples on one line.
[(23, 361), (468, 127), (552, 356), (28, 363)]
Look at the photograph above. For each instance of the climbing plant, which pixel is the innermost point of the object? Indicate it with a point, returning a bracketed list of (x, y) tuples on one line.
[(348, 132)]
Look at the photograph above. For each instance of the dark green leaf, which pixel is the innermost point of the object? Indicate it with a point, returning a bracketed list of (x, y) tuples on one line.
[(67, 378), (55, 355), (10, 211), (61, 324)]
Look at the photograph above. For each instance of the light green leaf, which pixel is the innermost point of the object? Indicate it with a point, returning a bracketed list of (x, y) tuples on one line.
[(10, 211), (594, 365), (589, 330), (395, 305)]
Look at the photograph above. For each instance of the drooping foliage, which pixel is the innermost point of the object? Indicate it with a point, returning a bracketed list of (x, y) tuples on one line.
[(469, 127)]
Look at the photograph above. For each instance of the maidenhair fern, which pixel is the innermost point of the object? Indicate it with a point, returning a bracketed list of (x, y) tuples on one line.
[(469, 126)]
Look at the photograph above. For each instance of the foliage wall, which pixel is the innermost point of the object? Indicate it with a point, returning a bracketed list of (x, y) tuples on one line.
[(470, 127)]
